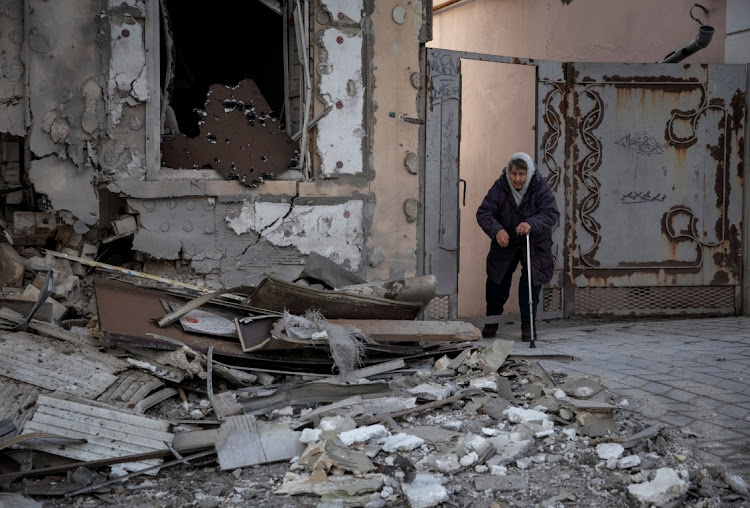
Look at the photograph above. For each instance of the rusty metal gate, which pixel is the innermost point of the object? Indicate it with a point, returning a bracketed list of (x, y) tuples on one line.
[(648, 161)]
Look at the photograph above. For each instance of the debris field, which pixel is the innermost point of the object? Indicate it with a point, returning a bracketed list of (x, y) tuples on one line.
[(123, 388)]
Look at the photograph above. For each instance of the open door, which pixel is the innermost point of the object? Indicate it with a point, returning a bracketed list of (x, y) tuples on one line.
[(480, 110)]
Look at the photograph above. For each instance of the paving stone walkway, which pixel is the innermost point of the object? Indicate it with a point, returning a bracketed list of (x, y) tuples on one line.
[(693, 374)]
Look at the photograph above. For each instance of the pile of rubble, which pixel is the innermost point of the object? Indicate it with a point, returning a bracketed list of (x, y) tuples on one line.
[(303, 395)]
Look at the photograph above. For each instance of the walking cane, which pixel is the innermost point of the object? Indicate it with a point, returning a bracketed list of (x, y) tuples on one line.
[(531, 296)]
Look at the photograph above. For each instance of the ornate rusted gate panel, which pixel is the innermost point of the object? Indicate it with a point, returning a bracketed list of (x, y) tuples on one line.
[(648, 161), (654, 194)]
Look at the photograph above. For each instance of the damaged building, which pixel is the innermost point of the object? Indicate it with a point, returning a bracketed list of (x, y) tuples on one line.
[(227, 145)]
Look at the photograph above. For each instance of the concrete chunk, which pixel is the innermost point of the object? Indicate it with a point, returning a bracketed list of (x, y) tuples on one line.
[(363, 434), (401, 441), (607, 451), (629, 462), (425, 491), (431, 391), (520, 415), (666, 486)]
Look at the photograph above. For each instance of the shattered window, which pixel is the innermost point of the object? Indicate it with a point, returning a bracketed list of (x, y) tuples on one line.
[(223, 90)]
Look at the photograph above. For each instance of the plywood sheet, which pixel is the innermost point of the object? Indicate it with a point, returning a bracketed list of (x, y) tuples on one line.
[(108, 432)]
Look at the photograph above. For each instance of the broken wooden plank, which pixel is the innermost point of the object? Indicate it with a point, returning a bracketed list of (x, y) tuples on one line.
[(134, 273), (127, 459), (389, 330), (48, 329), (243, 441), (151, 469), (37, 435), (311, 392), (46, 364), (363, 373), (109, 432), (411, 289), (279, 295), (154, 399), (17, 400), (194, 439), (130, 389)]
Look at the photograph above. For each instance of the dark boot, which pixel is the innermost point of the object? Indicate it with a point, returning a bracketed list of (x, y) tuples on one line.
[(489, 330), (526, 332)]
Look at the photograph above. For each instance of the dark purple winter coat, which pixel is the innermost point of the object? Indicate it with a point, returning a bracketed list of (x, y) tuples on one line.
[(499, 211)]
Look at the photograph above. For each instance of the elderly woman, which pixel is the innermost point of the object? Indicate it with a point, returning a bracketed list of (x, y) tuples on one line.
[(519, 203)]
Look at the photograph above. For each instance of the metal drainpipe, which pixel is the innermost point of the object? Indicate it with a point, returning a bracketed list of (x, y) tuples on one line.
[(705, 33)]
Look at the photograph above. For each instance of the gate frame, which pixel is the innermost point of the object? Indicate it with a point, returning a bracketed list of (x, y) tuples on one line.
[(434, 258)]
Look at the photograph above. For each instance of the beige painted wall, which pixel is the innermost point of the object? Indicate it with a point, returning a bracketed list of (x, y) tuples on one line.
[(395, 57), (497, 121), (586, 30)]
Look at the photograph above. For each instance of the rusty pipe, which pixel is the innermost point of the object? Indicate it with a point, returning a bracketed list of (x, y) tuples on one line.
[(705, 33)]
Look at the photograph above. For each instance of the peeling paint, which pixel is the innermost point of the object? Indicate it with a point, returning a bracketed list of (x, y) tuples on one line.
[(92, 94), (351, 9), (334, 231), (66, 187), (127, 71), (122, 161), (256, 216), (135, 7), (340, 133)]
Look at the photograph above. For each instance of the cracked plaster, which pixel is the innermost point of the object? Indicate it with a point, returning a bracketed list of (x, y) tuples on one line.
[(334, 231)]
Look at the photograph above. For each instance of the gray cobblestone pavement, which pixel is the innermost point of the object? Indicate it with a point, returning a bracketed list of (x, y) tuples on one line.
[(691, 374)]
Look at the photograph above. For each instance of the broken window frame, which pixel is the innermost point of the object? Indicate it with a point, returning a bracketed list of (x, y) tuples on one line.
[(298, 38)]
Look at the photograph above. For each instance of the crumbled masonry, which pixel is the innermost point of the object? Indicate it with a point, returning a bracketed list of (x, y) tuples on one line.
[(418, 424)]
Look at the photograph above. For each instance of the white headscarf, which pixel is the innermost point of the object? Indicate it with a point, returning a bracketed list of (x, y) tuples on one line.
[(518, 194)]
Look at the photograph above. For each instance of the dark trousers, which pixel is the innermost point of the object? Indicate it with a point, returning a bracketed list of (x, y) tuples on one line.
[(497, 294)]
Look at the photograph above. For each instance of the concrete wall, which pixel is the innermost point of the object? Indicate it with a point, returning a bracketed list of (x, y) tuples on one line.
[(498, 104), (93, 129)]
